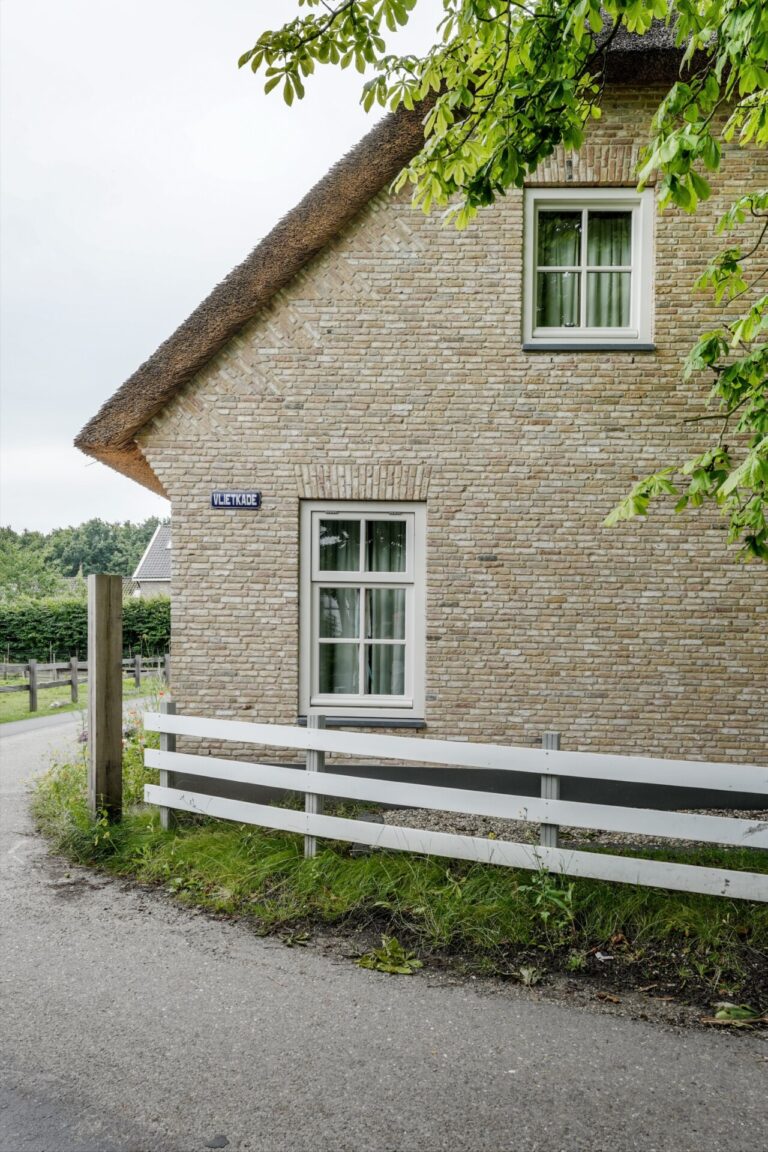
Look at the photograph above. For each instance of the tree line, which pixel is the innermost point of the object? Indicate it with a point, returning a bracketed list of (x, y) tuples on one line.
[(36, 564)]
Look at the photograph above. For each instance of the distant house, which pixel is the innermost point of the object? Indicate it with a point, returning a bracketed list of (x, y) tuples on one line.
[(153, 573)]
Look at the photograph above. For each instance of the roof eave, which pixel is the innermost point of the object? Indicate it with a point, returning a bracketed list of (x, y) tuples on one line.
[(302, 234), (129, 460)]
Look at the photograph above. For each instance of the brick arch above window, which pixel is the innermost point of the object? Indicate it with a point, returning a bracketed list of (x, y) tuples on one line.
[(363, 481), (612, 164)]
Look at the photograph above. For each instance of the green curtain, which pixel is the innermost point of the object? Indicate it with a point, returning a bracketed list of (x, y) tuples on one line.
[(385, 545), (609, 243), (385, 620), (339, 609), (339, 669), (385, 613), (339, 613), (339, 620), (557, 293), (385, 669), (339, 545)]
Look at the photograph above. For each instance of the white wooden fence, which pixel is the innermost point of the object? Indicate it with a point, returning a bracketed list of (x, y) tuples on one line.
[(548, 764)]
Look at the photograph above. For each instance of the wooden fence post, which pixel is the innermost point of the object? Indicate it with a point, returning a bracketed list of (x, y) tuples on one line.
[(105, 694), (73, 679), (33, 685), (550, 790), (312, 803), (137, 670), (167, 744), (166, 668)]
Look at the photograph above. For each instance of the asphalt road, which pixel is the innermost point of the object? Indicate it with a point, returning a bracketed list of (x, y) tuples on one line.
[(131, 1024)]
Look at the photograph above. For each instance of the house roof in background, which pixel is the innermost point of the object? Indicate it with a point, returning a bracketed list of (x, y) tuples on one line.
[(155, 564), (323, 213)]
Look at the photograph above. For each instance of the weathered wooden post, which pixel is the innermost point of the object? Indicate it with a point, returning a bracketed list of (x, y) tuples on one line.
[(166, 668), (73, 679), (313, 803), (105, 694), (167, 744), (137, 670), (33, 685), (550, 790)]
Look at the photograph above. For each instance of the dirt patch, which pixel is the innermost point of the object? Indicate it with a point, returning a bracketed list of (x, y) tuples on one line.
[(617, 979), (72, 887)]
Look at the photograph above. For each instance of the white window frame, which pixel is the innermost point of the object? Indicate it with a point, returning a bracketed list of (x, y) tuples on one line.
[(640, 329), (411, 703)]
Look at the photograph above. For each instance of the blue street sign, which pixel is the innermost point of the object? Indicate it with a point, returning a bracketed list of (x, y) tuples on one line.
[(236, 500)]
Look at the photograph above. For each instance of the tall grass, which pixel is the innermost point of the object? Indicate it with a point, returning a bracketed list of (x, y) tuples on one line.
[(486, 915)]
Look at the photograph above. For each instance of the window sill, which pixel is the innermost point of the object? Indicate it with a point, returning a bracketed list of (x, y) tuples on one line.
[(368, 722), (605, 346)]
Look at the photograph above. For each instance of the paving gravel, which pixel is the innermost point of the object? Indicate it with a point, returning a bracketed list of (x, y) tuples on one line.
[(523, 831)]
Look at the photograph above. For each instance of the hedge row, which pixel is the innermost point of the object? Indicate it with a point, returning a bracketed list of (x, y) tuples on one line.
[(42, 629)]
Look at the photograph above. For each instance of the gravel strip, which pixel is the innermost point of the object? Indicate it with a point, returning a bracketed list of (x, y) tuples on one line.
[(523, 831)]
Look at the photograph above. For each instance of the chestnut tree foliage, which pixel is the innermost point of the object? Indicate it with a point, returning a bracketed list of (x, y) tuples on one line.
[(505, 82)]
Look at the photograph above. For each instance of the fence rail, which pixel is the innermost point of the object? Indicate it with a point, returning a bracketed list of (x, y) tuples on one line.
[(137, 666), (548, 763)]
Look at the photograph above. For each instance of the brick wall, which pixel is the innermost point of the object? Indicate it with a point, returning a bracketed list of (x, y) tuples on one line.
[(393, 364)]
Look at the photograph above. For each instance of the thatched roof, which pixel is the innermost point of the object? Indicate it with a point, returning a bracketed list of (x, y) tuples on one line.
[(301, 234)]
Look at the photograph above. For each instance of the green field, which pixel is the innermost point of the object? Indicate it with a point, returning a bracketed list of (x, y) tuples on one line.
[(15, 705)]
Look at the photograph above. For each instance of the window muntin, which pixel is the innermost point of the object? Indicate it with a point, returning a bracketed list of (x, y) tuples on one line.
[(588, 266), (362, 608)]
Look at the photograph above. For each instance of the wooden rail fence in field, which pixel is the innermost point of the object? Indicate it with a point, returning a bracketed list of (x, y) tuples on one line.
[(549, 764), (76, 672)]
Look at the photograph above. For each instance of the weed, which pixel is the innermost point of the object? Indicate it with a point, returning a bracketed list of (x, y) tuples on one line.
[(736, 1015), (529, 976), (552, 899), (391, 957), (296, 939), (576, 962)]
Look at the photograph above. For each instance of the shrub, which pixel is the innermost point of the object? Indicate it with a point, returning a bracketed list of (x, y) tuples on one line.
[(36, 629)]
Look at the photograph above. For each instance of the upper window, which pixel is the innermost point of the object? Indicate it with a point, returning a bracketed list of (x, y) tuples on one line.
[(588, 275), (362, 609)]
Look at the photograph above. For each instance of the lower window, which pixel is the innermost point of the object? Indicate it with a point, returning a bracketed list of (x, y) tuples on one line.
[(362, 609)]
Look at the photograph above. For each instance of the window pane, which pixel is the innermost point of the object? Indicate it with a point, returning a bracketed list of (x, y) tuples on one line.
[(339, 667), (609, 238), (385, 613), (385, 669), (385, 546), (339, 545), (339, 612), (608, 299), (557, 299), (559, 238)]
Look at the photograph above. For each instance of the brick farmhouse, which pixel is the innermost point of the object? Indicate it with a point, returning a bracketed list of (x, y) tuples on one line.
[(438, 422)]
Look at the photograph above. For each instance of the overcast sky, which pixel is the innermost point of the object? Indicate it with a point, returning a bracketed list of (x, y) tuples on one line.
[(138, 166)]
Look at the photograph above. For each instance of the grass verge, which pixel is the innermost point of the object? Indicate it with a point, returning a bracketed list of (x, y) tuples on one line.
[(15, 705), (475, 917)]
